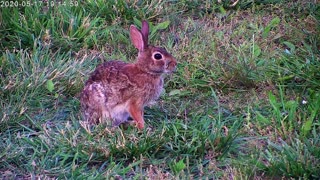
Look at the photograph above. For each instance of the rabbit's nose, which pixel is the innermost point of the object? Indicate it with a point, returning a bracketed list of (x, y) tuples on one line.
[(172, 65)]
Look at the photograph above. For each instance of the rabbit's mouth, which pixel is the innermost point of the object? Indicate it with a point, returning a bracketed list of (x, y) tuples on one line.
[(170, 67), (168, 71)]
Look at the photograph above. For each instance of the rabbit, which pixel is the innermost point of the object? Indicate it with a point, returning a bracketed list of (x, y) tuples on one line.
[(117, 91)]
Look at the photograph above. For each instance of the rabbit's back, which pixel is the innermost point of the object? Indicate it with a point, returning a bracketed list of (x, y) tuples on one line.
[(122, 81)]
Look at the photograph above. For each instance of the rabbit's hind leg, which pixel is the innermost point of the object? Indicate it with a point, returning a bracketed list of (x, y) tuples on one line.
[(93, 102)]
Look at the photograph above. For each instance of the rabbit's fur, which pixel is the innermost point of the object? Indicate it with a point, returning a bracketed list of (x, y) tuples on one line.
[(117, 90)]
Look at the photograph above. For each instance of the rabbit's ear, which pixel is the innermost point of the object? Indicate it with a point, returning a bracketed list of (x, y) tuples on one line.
[(137, 38), (145, 31)]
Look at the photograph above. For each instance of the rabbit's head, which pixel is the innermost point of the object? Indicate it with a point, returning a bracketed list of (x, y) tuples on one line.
[(151, 59)]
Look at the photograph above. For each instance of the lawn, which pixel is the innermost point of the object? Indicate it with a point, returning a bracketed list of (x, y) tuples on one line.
[(244, 102)]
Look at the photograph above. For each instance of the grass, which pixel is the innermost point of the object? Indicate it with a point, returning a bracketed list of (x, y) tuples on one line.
[(243, 104)]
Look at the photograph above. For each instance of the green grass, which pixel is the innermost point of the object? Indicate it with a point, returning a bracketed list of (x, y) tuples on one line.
[(243, 104)]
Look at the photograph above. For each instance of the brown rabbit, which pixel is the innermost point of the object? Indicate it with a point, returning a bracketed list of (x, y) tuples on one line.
[(117, 90)]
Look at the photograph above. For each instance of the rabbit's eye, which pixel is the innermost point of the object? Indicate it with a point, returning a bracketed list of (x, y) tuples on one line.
[(157, 56)]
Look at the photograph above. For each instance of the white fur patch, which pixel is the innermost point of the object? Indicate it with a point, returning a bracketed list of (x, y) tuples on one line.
[(118, 114)]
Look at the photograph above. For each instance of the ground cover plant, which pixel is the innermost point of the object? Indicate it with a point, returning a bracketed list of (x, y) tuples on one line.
[(243, 104)]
